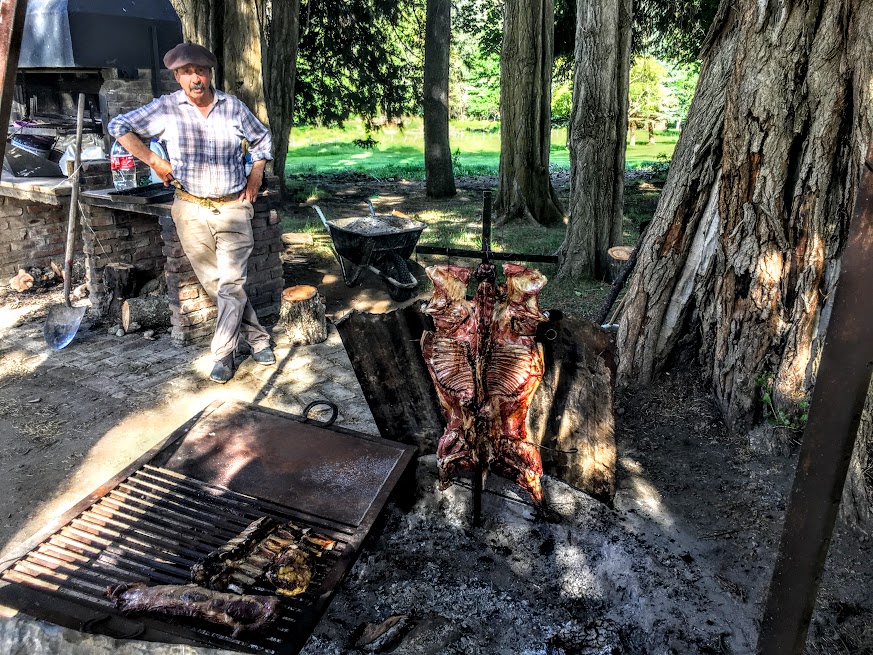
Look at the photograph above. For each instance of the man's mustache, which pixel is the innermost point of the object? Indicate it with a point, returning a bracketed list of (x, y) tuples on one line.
[(197, 86)]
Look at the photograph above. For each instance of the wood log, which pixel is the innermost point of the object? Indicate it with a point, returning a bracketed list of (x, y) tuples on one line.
[(150, 312), (119, 283), (572, 411), (302, 314), (618, 256), (22, 281), (297, 239)]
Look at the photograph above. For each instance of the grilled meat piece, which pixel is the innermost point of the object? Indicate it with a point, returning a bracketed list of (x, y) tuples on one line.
[(216, 569), (244, 560), (238, 612), (291, 572)]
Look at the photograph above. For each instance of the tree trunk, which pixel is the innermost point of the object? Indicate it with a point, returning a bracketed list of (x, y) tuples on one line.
[(651, 127), (256, 47), (743, 253), (525, 189), (597, 146), (633, 133), (437, 152)]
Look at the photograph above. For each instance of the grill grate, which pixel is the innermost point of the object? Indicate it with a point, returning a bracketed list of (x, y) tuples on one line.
[(153, 527), (230, 465)]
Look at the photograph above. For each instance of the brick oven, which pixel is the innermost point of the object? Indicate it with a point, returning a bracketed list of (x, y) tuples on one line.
[(109, 50)]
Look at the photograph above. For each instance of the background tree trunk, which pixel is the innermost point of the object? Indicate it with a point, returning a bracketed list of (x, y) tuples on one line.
[(743, 253), (597, 136), (525, 190), (437, 152), (256, 46)]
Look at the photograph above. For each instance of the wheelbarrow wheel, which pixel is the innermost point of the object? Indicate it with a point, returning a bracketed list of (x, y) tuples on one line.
[(395, 267), (400, 295)]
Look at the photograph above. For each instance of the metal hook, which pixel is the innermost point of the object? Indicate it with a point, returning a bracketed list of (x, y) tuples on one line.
[(333, 409)]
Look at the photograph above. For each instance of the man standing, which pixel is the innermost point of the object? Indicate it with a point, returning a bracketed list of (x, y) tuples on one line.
[(204, 131)]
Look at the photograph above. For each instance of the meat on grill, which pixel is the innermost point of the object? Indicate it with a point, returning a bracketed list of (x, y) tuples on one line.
[(486, 367), (238, 612), (280, 552)]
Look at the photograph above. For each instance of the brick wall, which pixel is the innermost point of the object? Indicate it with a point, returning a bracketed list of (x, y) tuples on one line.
[(124, 94), (194, 312), (32, 233)]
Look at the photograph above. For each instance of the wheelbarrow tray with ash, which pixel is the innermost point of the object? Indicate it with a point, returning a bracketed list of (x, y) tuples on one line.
[(380, 243)]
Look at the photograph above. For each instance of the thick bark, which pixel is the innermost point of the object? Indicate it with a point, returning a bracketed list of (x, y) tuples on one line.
[(743, 253), (597, 136), (256, 46), (437, 152), (525, 189)]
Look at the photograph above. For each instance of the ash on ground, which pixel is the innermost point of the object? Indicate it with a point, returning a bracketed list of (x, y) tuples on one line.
[(680, 564)]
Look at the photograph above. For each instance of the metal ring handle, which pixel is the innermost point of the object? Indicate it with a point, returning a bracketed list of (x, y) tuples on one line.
[(333, 409)]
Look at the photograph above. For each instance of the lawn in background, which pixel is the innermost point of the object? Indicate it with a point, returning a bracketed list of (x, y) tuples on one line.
[(400, 152)]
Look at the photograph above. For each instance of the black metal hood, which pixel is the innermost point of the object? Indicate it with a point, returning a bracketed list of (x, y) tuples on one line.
[(98, 33)]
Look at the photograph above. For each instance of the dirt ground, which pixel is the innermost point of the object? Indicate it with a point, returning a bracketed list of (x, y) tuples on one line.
[(679, 565)]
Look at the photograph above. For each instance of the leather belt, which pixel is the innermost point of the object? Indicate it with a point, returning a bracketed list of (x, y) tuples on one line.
[(210, 203)]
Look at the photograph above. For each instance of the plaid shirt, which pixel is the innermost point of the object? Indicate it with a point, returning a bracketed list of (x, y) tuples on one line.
[(206, 153)]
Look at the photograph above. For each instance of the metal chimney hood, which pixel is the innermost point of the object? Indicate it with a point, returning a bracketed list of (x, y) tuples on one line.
[(123, 34)]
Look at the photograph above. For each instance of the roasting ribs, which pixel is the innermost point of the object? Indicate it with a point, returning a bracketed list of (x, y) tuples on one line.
[(486, 367)]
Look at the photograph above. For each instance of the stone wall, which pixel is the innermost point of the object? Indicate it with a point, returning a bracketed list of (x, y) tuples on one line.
[(32, 233), (194, 312), (122, 94)]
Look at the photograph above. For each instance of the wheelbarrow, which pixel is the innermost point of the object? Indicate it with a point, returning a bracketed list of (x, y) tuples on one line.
[(380, 243)]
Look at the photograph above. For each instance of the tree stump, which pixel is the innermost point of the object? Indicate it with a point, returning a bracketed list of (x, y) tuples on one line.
[(618, 257), (150, 312), (302, 314), (119, 283)]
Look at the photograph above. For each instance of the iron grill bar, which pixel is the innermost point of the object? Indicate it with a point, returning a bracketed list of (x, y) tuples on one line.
[(143, 502), (166, 529)]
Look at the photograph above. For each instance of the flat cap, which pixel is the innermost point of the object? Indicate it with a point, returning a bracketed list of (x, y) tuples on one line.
[(189, 53)]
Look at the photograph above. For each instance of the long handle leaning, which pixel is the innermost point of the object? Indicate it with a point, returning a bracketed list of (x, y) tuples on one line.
[(74, 202)]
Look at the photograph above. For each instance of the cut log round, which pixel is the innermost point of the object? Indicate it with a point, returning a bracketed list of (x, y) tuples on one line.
[(302, 314), (148, 312), (21, 282), (618, 256)]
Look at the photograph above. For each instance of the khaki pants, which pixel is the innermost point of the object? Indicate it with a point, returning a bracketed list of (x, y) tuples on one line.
[(218, 246)]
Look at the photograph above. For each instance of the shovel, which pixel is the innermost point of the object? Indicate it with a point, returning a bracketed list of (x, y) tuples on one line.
[(62, 321)]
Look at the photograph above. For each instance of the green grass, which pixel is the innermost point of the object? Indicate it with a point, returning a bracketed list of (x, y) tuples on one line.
[(400, 152)]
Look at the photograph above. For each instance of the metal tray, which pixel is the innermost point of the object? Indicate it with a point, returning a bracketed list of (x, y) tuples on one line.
[(144, 194)]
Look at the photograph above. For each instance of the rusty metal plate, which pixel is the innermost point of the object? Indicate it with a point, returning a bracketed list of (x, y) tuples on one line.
[(280, 459)]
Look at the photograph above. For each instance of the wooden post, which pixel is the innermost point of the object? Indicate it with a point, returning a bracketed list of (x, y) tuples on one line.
[(302, 314)]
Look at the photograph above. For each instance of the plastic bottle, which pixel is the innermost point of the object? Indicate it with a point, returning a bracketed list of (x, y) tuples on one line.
[(123, 167)]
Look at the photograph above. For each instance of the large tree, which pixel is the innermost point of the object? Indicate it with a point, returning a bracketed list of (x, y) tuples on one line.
[(598, 126), (359, 58), (440, 181), (740, 262), (256, 46), (525, 189)]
